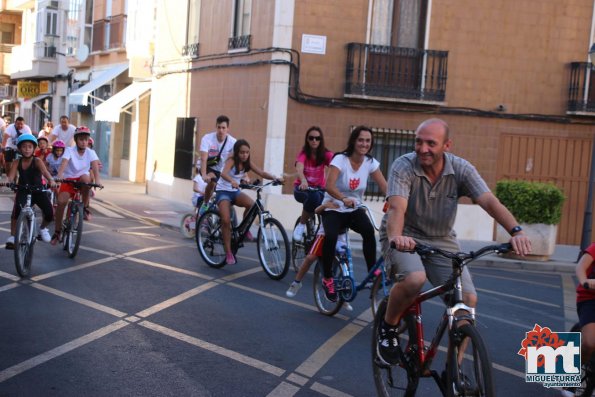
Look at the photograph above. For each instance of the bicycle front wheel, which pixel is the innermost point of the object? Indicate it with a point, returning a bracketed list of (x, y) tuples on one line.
[(23, 244), (380, 290), (393, 380), (324, 305), (76, 230), (273, 249), (187, 226), (468, 366), (298, 250), (209, 239)]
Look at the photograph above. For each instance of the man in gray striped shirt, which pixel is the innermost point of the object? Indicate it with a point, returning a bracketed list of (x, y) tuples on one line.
[(423, 192)]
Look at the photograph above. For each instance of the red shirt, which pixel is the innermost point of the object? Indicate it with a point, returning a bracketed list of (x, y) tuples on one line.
[(313, 172), (583, 294), (42, 155)]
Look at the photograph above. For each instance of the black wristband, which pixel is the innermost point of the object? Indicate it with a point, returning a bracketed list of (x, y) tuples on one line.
[(515, 229), (586, 285)]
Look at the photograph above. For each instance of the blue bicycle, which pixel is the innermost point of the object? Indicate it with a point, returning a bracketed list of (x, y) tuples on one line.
[(378, 281)]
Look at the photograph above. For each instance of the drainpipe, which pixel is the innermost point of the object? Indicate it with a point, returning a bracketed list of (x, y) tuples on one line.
[(588, 218)]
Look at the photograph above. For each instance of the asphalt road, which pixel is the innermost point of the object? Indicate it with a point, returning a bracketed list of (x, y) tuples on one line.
[(137, 313)]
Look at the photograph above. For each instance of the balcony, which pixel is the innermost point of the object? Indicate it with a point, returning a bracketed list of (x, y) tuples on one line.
[(190, 50), (581, 89), (34, 60), (239, 43), (395, 73)]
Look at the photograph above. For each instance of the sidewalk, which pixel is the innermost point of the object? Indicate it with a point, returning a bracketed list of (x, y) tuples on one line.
[(132, 199)]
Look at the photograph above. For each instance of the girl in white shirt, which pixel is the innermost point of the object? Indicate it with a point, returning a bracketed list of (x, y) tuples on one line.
[(228, 190), (345, 185)]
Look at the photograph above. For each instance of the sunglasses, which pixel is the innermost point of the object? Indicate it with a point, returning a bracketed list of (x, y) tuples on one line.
[(314, 138)]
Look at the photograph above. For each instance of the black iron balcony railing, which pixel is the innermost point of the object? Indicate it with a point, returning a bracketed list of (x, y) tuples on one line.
[(190, 50), (239, 42), (396, 72), (581, 90)]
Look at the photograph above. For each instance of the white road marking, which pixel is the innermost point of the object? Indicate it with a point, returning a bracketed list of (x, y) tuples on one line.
[(9, 276), (324, 353), (9, 287), (284, 389), (103, 210), (176, 299), (487, 291), (328, 391), (82, 301), (73, 268), (252, 362), (170, 268), (60, 350), (154, 248)]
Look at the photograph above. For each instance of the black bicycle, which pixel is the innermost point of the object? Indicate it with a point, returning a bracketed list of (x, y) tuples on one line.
[(72, 225), (26, 230), (468, 369), (271, 242), (300, 248)]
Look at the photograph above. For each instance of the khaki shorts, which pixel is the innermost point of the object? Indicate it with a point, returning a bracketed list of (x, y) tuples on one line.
[(436, 267)]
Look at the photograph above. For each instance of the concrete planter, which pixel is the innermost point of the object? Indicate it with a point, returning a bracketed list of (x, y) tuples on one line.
[(542, 236)]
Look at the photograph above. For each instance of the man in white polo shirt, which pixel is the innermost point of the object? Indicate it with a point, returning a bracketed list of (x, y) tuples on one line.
[(9, 143), (63, 132)]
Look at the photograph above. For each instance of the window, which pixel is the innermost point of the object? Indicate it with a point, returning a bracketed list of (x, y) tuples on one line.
[(79, 26), (240, 35), (192, 32), (7, 33), (51, 22), (388, 145), (399, 23)]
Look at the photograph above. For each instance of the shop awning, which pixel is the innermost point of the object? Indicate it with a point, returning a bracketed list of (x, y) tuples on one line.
[(110, 109), (28, 103), (81, 95), (6, 102)]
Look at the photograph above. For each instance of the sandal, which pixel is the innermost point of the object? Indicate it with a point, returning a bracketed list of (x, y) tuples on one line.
[(56, 237)]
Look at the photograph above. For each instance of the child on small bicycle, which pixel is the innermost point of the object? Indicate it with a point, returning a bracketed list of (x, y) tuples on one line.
[(30, 169), (76, 163), (54, 159), (234, 171), (42, 151), (315, 251), (198, 187), (585, 302)]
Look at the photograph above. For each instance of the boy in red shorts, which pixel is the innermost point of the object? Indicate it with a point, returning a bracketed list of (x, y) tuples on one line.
[(78, 162)]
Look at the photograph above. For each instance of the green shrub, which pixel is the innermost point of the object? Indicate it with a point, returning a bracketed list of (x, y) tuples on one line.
[(531, 202)]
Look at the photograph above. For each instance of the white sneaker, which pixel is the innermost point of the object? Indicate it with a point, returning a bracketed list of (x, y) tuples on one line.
[(10, 242), (298, 232), (293, 289), (347, 306), (45, 235)]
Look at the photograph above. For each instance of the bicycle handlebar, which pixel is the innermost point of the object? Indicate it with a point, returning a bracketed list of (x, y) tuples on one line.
[(421, 249), (78, 184), (31, 188), (369, 212), (256, 185)]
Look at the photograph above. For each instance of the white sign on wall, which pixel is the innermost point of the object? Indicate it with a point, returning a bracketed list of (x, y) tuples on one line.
[(313, 44)]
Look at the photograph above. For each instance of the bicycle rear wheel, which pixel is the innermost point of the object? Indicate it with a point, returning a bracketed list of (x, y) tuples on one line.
[(393, 380), (324, 305), (379, 290), (473, 376), (298, 250), (187, 226), (23, 246), (273, 249), (209, 239), (75, 231)]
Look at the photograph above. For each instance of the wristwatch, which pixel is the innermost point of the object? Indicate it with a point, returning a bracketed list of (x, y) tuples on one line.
[(586, 285), (515, 230)]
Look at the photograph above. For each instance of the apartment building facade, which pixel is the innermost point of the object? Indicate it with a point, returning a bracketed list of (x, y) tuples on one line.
[(516, 109)]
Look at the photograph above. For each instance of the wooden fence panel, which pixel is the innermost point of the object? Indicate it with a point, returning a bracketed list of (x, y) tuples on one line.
[(561, 160)]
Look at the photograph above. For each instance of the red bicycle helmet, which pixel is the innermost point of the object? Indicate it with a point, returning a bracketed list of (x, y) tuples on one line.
[(82, 130)]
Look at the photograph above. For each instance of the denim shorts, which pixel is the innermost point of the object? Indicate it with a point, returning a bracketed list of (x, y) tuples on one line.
[(227, 195)]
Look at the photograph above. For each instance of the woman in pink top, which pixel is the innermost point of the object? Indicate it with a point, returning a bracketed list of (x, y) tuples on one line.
[(311, 164)]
